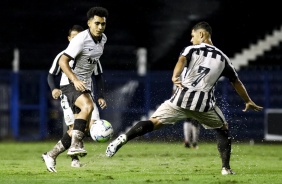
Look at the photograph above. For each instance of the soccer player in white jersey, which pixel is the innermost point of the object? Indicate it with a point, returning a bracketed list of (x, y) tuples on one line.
[(194, 97), (62, 145), (85, 49)]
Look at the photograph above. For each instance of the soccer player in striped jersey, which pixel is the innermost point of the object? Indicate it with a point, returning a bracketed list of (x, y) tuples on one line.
[(191, 128), (194, 97), (69, 116)]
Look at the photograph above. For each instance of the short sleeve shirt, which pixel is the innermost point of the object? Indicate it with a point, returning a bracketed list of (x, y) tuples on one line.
[(86, 53)]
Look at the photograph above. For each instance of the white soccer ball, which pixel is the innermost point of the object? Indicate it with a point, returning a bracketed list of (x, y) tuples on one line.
[(101, 131)]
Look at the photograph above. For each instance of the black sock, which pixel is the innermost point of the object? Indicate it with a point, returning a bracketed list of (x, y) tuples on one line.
[(139, 129), (74, 157), (224, 146), (79, 124), (66, 140)]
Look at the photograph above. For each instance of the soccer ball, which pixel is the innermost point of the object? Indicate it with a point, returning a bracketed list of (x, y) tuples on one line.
[(101, 131)]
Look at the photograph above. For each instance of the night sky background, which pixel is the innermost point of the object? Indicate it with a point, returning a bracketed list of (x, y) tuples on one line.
[(39, 28)]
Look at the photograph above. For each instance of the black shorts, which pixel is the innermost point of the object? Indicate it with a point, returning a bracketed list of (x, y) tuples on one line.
[(72, 94)]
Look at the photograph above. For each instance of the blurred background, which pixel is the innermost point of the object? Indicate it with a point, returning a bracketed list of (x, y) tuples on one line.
[(145, 38)]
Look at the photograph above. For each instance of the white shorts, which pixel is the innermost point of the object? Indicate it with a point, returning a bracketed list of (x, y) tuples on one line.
[(68, 114), (167, 113)]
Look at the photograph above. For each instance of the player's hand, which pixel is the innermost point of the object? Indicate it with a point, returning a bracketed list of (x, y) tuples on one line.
[(102, 103), (56, 93), (79, 85), (177, 82), (253, 106)]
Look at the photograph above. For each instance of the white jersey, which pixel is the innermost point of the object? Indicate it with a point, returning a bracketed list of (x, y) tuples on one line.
[(205, 65), (86, 54), (68, 114)]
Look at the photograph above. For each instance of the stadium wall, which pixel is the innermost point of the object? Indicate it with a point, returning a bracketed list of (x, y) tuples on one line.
[(28, 112)]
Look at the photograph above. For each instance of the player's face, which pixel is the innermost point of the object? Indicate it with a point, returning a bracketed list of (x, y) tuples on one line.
[(196, 37), (72, 35), (97, 25)]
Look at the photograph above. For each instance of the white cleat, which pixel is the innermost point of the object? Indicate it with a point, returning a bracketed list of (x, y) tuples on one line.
[(226, 171), (75, 163), (114, 146), (49, 162), (77, 151)]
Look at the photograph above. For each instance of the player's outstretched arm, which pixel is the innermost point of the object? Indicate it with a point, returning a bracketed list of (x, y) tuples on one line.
[(241, 90)]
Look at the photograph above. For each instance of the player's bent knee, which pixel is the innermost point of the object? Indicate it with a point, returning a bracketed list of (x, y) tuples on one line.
[(88, 108), (156, 122)]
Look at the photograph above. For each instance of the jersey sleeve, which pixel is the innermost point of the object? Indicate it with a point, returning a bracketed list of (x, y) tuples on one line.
[(229, 71), (99, 81), (187, 52), (75, 46), (55, 68), (51, 81)]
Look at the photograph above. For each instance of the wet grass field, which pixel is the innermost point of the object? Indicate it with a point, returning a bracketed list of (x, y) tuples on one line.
[(143, 162)]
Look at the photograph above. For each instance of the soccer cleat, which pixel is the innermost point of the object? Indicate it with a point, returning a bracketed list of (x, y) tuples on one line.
[(226, 171), (187, 144), (75, 163), (49, 162), (195, 146), (114, 146), (77, 151)]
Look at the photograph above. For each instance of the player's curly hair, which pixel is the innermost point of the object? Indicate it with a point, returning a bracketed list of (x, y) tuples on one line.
[(98, 11), (203, 25)]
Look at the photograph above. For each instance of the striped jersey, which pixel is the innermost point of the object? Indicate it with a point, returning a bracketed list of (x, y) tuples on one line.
[(56, 69), (86, 53), (205, 65), (181, 77)]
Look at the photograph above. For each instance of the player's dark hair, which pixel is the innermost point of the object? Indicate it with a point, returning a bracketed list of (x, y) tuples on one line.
[(98, 11), (203, 25), (77, 28)]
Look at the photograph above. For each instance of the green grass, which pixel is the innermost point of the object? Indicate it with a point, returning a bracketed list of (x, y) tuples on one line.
[(140, 162)]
